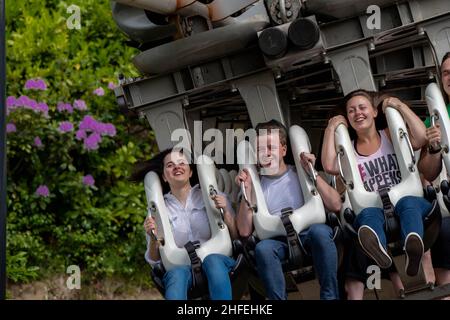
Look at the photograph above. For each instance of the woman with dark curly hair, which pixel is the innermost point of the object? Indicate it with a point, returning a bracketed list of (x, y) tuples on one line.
[(189, 222)]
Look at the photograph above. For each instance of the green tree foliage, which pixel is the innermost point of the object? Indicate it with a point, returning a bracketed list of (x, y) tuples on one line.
[(96, 225)]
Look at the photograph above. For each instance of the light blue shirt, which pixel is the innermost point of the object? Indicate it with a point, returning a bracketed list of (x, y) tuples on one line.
[(282, 191)]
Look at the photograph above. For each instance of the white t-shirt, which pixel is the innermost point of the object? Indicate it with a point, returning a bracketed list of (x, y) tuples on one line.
[(189, 223), (380, 168), (282, 191)]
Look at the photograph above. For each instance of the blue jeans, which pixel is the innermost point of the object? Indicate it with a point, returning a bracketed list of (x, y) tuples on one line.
[(318, 242), (410, 210), (216, 267)]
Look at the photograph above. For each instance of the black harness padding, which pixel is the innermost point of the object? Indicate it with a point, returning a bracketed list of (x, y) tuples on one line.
[(445, 189), (157, 276), (199, 284), (391, 222), (296, 250)]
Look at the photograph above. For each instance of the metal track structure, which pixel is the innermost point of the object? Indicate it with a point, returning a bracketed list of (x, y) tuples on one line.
[(245, 62)]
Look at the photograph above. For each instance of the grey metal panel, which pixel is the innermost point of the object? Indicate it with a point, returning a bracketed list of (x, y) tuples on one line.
[(389, 18), (428, 56), (400, 59), (438, 31), (343, 8), (198, 48), (411, 284), (425, 9), (152, 90), (194, 81), (415, 10), (220, 9), (417, 57), (399, 63), (162, 7), (261, 97), (405, 13), (134, 22), (164, 120), (353, 68), (342, 32)]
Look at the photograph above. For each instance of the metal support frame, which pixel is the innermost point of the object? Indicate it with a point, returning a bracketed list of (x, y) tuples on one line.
[(438, 32), (260, 95), (431, 294), (353, 68), (411, 284), (165, 119), (347, 42)]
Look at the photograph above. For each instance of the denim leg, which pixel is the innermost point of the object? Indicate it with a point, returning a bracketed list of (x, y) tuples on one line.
[(374, 218), (268, 254), (177, 281), (411, 211), (217, 268), (318, 241)]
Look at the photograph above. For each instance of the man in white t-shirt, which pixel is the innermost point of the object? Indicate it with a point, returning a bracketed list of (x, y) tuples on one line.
[(282, 189)]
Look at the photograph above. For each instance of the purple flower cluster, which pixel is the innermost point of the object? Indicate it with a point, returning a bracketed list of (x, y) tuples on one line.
[(91, 132), (37, 142), (88, 180), (111, 85), (99, 91), (10, 127), (80, 105), (65, 126), (42, 191), (27, 103), (91, 142), (61, 107), (36, 84)]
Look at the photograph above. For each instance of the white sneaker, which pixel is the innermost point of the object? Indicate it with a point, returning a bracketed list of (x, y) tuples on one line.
[(414, 253), (369, 241)]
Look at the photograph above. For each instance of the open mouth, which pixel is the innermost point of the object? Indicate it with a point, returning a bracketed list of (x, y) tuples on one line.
[(359, 120), (265, 162)]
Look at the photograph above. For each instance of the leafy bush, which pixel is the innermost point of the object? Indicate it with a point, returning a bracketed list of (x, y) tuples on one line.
[(70, 150)]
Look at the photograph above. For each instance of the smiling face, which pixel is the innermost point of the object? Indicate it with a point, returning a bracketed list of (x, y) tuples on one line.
[(361, 114), (176, 169), (270, 152), (445, 73)]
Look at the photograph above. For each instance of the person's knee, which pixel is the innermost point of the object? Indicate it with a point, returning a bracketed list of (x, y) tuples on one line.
[(178, 274), (320, 233), (372, 215), (410, 204), (361, 218), (321, 240), (212, 260), (405, 203), (264, 251)]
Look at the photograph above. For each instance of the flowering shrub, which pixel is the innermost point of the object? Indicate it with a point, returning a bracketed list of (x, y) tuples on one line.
[(36, 84), (70, 150), (99, 92)]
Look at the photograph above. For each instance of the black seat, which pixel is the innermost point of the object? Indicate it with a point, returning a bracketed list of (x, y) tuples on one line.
[(237, 276), (445, 189)]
